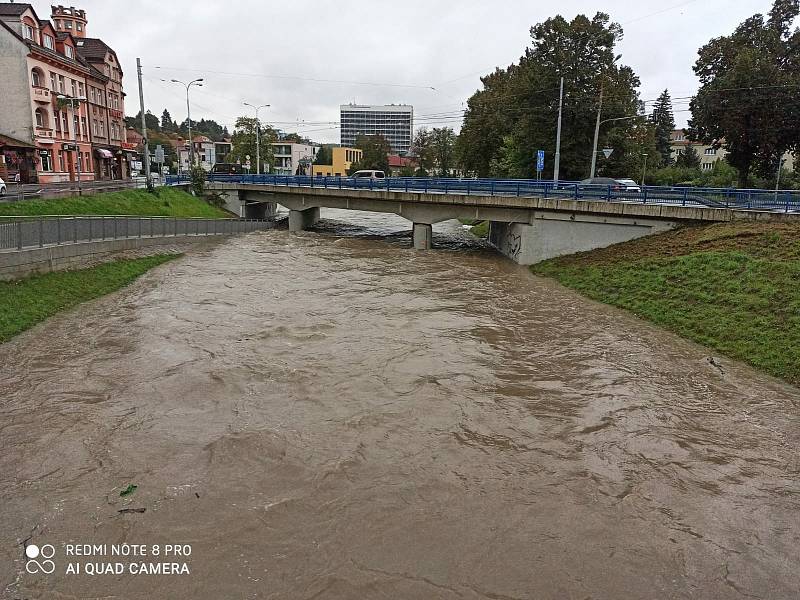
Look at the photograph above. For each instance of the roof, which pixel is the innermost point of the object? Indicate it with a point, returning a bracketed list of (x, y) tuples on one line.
[(93, 48), (399, 161), (13, 9), (9, 141)]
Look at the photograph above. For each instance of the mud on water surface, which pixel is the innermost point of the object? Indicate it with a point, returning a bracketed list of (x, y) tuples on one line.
[(333, 415)]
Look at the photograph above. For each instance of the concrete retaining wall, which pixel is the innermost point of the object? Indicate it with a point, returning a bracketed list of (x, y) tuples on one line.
[(14, 265)]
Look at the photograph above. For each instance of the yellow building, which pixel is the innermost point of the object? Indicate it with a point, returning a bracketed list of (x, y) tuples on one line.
[(343, 159)]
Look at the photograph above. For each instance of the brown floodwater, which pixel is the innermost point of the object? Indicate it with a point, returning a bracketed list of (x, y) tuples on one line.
[(333, 415)]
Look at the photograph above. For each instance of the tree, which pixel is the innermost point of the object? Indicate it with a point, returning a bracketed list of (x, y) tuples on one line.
[(664, 122), (375, 153), (149, 118), (167, 124), (688, 159), (324, 156), (422, 149), (443, 146), (748, 101), (243, 143), (515, 114)]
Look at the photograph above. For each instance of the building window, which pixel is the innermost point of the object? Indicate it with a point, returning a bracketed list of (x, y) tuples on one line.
[(41, 118), (61, 161), (74, 89), (80, 89), (83, 127), (69, 52), (27, 31), (710, 151), (45, 158), (76, 126), (94, 128), (48, 42), (65, 123), (36, 78), (53, 82), (61, 83), (79, 26), (708, 166), (58, 24), (91, 94), (68, 24), (102, 130)]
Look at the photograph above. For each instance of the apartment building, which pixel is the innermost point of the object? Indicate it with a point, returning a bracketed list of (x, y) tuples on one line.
[(395, 122), (709, 155), (43, 63), (205, 152), (292, 158)]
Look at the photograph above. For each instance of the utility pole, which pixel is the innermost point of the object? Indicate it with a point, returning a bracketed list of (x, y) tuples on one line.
[(146, 152), (644, 170), (596, 133), (557, 161), (778, 178)]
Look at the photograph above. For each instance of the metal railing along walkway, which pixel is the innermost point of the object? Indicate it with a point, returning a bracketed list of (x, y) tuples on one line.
[(738, 199), (19, 233)]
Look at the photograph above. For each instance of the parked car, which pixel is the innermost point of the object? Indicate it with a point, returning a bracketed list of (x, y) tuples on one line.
[(368, 174), (617, 185), (227, 169), (2, 187)]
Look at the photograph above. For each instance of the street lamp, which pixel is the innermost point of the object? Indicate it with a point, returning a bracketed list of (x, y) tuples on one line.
[(198, 83), (258, 135), (72, 100), (597, 135)]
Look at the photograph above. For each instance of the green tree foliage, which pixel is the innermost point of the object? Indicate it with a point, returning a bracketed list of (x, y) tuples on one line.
[(375, 153), (688, 159), (150, 120), (243, 143), (515, 114), (664, 123), (167, 124), (296, 138), (748, 101), (422, 149), (443, 148), (324, 155)]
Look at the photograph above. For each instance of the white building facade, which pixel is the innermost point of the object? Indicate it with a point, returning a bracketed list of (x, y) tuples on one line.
[(395, 122), (292, 158)]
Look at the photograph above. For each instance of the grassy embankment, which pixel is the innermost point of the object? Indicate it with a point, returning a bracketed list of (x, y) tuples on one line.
[(478, 228), (168, 202), (732, 287), (26, 302)]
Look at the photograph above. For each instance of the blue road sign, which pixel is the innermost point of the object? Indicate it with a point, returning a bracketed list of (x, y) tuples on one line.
[(540, 160)]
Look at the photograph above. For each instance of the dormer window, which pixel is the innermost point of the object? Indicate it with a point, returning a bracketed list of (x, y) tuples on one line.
[(58, 24), (69, 52), (79, 26), (27, 30), (48, 42), (68, 24)]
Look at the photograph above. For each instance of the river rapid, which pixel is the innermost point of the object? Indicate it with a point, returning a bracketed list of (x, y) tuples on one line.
[(332, 414)]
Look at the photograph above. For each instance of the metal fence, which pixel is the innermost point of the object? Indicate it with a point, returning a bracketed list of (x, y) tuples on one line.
[(740, 199), (18, 233)]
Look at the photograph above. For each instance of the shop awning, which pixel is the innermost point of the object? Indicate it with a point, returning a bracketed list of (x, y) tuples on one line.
[(103, 153)]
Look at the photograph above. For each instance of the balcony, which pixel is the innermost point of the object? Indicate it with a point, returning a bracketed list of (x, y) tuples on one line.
[(41, 94)]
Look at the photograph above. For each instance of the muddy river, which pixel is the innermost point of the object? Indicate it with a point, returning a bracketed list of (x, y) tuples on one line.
[(333, 415)]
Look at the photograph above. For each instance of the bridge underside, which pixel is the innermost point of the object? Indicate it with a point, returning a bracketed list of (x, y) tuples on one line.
[(524, 234)]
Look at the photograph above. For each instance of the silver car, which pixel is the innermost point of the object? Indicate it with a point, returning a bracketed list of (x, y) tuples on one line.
[(2, 187)]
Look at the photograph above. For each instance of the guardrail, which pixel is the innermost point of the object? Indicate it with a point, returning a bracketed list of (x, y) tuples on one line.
[(739, 199), (19, 233)]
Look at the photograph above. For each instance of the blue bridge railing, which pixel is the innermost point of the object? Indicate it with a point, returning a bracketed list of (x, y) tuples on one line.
[(740, 199)]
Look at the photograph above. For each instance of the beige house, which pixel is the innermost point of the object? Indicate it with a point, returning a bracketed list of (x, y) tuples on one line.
[(708, 154)]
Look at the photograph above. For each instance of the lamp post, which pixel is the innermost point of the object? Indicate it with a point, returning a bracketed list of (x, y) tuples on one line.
[(72, 100), (644, 169), (258, 135), (198, 83), (597, 135)]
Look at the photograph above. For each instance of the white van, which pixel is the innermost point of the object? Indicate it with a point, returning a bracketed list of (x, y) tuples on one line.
[(368, 175)]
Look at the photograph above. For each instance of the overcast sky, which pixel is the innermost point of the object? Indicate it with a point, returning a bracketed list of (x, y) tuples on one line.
[(277, 52)]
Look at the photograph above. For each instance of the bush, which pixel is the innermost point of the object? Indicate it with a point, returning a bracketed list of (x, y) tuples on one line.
[(198, 178)]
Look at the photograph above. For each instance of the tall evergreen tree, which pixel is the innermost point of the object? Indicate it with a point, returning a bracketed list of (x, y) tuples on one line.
[(664, 122), (689, 158), (166, 121)]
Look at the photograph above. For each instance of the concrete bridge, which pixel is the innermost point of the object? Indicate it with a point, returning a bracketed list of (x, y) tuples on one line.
[(527, 228)]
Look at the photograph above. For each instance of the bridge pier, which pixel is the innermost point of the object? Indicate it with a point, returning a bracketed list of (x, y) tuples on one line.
[(422, 235), (300, 220)]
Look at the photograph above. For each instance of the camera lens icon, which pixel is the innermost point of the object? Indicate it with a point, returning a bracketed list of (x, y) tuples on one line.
[(46, 552)]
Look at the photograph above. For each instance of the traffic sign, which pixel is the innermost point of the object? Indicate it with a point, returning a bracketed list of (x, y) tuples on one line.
[(540, 161), (607, 152), (159, 154)]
